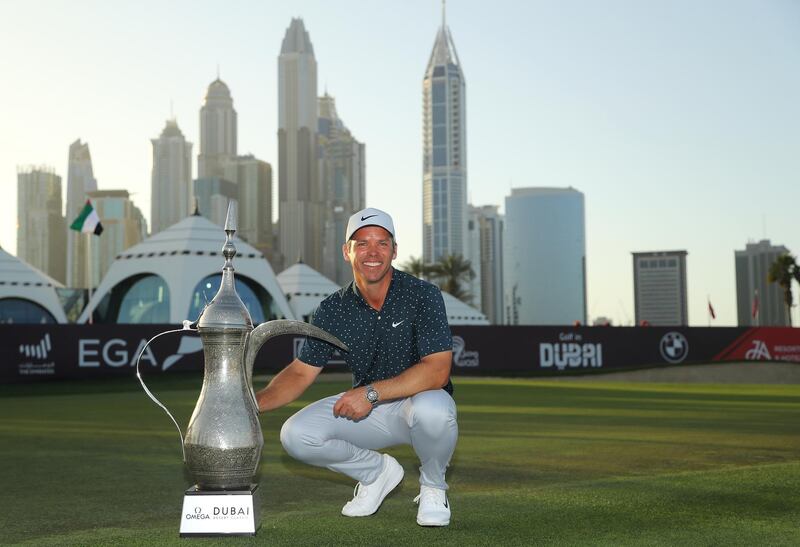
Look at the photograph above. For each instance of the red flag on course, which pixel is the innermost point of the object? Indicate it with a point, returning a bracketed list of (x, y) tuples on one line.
[(711, 310)]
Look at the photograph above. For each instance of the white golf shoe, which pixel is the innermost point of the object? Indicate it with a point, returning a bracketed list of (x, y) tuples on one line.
[(434, 507), (368, 498)]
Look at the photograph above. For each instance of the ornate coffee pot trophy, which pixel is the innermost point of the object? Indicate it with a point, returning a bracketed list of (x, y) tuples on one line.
[(223, 442)]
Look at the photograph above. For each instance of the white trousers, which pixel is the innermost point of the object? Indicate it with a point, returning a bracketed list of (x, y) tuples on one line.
[(426, 421)]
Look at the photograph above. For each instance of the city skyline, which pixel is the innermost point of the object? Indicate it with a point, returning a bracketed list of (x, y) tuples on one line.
[(678, 133)]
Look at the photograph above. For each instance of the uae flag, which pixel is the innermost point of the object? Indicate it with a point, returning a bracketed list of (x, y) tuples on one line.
[(87, 222)]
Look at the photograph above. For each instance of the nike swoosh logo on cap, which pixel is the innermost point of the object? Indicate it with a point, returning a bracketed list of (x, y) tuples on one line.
[(365, 218)]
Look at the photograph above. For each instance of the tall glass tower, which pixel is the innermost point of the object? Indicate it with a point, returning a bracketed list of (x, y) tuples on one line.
[(217, 132), (80, 181), (342, 176), (544, 256), (41, 237), (444, 153), (300, 199), (171, 178)]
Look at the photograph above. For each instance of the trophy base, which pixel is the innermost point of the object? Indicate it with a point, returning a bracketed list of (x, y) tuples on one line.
[(208, 513)]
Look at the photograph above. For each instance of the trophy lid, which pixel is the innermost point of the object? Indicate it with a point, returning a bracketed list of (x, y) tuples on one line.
[(226, 310)]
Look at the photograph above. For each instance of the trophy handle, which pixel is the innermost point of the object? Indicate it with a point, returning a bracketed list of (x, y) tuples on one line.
[(277, 327)]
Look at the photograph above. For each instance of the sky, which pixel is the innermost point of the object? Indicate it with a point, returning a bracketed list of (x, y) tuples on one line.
[(679, 120)]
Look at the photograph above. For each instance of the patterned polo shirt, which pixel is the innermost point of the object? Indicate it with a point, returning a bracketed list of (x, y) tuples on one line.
[(411, 324)]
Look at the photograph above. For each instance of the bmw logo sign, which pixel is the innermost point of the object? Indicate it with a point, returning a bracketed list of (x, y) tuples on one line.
[(674, 347)]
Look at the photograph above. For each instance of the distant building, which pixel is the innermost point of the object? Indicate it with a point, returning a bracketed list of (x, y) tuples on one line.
[(343, 180), (123, 226), (300, 198), (659, 287), (490, 266), (253, 179), (485, 253), (212, 195), (472, 253), (444, 152), (544, 257), (41, 235), (171, 179), (80, 181), (752, 268), (217, 131)]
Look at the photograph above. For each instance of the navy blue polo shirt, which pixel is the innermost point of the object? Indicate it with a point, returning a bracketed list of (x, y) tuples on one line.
[(411, 325)]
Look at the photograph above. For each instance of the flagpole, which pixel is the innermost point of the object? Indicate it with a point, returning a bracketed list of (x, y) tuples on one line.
[(757, 307), (708, 311), (88, 222), (89, 273)]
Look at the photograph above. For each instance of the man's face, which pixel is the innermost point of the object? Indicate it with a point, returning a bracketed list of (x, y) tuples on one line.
[(370, 252)]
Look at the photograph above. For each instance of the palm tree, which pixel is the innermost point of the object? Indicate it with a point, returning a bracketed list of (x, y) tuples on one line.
[(782, 271), (451, 272), (417, 267)]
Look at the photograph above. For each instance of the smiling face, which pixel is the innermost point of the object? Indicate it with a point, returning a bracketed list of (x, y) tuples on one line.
[(370, 252)]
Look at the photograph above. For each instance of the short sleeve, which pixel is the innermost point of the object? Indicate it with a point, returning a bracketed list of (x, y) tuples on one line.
[(433, 330), (315, 351)]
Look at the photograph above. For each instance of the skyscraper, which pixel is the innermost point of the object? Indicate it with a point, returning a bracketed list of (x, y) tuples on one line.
[(659, 288), (253, 178), (171, 180), (544, 257), (758, 302), (217, 131), (300, 197), (490, 264), (444, 153), (342, 176), (123, 226), (212, 195), (472, 252), (80, 181), (40, 225)]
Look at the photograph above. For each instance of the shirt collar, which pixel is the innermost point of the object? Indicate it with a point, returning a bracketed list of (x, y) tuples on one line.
[(354, 293)]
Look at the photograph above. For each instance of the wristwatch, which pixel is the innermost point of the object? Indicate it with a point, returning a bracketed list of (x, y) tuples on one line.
[(372, 395)]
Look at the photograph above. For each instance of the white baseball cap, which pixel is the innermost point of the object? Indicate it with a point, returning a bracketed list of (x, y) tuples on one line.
[(369, 217)]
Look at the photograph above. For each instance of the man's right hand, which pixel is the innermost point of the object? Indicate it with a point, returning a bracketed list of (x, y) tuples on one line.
[(353, 404), (287, 385)]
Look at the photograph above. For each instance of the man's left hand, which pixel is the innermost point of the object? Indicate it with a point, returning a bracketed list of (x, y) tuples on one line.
[(353, 405)]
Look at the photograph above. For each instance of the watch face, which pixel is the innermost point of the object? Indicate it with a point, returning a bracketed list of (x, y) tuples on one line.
[(372, 396)]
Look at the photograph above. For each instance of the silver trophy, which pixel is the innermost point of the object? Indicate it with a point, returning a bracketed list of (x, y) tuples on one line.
[(223, 442)]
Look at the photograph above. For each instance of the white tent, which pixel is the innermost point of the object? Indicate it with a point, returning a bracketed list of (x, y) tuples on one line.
[(177, 260), (19, 280), (305, 288), (459, 313)]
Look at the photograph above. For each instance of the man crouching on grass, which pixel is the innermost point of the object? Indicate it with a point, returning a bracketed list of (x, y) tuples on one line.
[(396, 328)]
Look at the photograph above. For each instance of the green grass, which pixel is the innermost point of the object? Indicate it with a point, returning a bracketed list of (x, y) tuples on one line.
[(537, 463)]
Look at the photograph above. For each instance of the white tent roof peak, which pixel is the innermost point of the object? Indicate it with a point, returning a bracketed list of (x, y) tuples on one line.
[(13, 269), (301, 278), (18, 279), (459, 313), (194, 233)]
